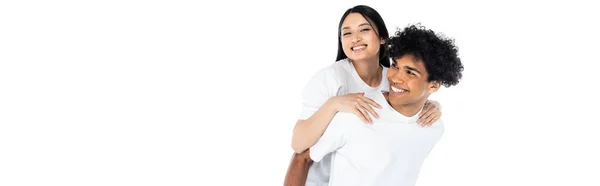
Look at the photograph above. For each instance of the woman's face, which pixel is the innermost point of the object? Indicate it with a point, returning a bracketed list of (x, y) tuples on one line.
[(359, 38)]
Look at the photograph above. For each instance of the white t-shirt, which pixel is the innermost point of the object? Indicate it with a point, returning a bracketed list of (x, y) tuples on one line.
[(388, 152), (338, 79)]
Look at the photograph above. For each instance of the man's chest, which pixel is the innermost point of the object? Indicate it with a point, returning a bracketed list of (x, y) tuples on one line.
[(378, 147)]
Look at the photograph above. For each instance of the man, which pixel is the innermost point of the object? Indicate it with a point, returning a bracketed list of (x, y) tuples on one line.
[(392, 150)]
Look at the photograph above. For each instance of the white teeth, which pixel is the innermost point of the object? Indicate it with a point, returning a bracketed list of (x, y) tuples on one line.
[(397, 89), (358, 47)]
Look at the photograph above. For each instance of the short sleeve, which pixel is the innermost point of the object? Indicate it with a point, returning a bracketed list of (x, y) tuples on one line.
[(320, 88), (335, 136)]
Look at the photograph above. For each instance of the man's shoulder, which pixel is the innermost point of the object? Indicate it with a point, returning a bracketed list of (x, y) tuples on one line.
[(344, 120), (438, 123), (345, 117)]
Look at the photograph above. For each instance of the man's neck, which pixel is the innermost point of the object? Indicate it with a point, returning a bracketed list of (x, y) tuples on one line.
[(409, 109), (369, 71)]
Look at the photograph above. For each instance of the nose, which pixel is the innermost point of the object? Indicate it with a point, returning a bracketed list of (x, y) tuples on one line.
[(396, 76), (356, 38), (398, 81)]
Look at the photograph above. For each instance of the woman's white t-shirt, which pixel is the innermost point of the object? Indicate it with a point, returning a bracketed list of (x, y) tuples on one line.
[(338, 79)]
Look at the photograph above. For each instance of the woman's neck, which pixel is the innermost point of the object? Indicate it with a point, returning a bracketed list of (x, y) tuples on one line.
[(369, 71)]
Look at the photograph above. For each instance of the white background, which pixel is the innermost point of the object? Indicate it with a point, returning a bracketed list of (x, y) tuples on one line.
[(206, 93)]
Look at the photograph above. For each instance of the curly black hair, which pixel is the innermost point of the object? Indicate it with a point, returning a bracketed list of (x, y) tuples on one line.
[(440, 55)]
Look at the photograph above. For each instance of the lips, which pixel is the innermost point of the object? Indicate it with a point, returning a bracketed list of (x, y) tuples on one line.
[(358, 48), (398, 90), (395, 91)]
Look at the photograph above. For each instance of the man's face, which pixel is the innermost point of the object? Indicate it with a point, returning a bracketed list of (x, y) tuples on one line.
[(408, 81)]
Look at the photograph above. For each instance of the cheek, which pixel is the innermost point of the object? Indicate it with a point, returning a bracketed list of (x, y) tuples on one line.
[(420, 88), (376, 45), (415, 87), (346, 44), (373, 39)]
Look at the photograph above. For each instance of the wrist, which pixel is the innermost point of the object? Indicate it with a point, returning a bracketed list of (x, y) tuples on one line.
[(330, 105)]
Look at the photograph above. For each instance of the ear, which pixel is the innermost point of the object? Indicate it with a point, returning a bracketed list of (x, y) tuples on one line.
[(434, 86), (382, 41)]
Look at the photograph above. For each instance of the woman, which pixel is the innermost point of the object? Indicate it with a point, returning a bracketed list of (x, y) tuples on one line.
[(361, 67)]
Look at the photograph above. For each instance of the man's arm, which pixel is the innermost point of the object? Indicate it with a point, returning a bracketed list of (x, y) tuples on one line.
[(298, 169)]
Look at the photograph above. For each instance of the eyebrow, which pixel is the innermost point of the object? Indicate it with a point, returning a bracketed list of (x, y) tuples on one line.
[(411, 68), (358, 26)]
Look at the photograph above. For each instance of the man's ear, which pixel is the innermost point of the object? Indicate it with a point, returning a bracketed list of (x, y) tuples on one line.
[(434, 86)]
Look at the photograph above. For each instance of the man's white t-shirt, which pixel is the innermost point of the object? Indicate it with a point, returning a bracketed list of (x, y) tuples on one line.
[(338, 79), (388, 152)]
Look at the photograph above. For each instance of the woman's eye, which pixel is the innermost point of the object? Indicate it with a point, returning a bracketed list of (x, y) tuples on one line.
[(364, 30), (347, 33)]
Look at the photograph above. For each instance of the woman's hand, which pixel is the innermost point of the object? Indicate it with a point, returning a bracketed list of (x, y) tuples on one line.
[(431, 113), (358, 104)]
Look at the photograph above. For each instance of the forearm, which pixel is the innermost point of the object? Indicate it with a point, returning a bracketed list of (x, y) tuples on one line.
[(298, 169), (307, 132)]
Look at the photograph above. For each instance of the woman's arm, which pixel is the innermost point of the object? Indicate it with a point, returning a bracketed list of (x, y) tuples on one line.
[(321, 101), (307, 132)]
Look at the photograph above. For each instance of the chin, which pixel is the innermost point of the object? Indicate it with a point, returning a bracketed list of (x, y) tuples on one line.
[(396, 101), (361, 57)]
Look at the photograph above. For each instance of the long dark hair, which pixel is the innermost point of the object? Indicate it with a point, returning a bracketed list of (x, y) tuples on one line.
[(373, 17)]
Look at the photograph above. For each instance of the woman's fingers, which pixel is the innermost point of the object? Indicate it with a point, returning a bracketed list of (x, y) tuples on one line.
[(371, 102), (369, 108), (430, 116), (365, 113), (360, 115), (425, 113), (431, 120)]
